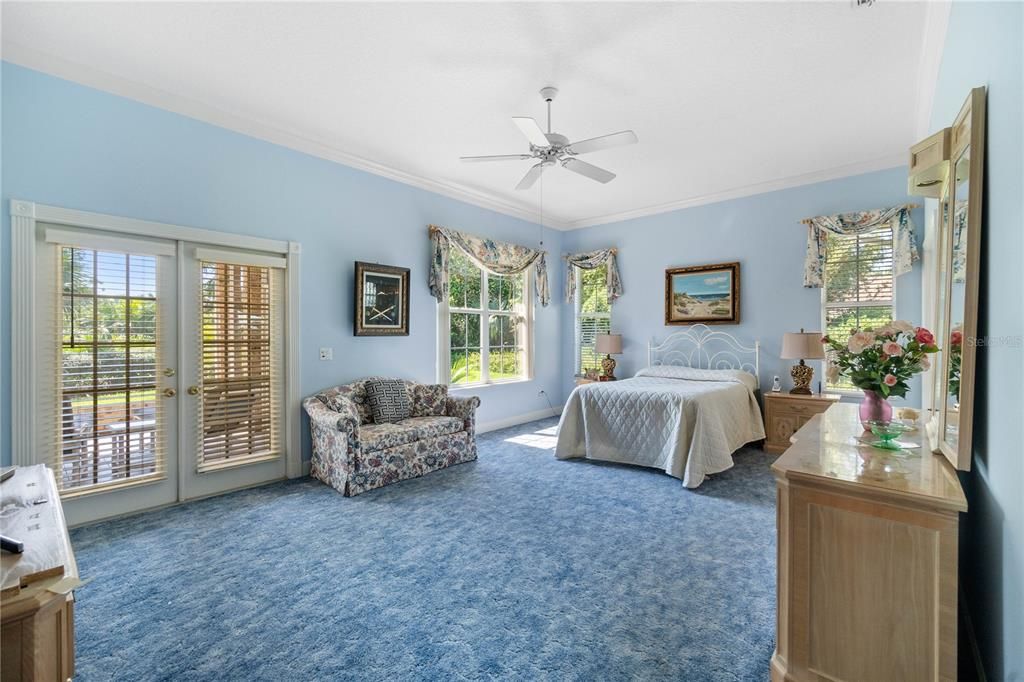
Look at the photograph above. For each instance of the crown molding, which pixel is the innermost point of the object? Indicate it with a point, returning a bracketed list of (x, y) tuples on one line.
[(61, 68), (836, 173), (936, 25), (31, 58)]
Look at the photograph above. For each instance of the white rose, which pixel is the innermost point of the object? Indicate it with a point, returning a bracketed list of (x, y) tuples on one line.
[(902, 326), (859, 341), (832, 373)]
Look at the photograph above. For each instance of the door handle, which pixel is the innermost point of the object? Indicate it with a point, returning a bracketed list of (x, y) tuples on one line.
[(170, 393), (192, 390)]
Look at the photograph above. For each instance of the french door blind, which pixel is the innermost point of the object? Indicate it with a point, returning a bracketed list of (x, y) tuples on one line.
[(108, 354), (242, 362)]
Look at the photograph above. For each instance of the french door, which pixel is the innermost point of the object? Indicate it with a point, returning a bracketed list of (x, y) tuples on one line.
[(166, 376)]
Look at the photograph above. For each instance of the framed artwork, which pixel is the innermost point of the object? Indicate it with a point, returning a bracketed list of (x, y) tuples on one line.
[(382, 300), (708, 294)]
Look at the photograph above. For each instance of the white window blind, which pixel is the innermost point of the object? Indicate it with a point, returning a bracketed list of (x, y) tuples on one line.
[(110, 429), (593, 315), (858, 291), (241, 387), (488, 324)]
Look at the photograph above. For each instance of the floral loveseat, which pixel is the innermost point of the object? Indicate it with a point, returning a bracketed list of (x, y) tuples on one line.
[(353, 454)]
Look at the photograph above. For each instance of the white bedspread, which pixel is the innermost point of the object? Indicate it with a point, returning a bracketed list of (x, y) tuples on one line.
[(687, 427)]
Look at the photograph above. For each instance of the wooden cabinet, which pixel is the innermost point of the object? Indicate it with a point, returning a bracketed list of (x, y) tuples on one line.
[(785, 413), (867, 557), (928, 167), (36, 602)]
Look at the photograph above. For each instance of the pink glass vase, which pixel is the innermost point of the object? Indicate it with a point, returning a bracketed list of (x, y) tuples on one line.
[(874, 408)]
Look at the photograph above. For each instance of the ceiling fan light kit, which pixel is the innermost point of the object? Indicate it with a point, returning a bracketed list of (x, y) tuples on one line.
[(550, 149)]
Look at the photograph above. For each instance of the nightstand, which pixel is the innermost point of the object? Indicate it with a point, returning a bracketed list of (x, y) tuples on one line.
[(785, 413)]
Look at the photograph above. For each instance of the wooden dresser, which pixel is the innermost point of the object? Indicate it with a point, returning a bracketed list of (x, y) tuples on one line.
[(785, 413), (867, 557), (36, 602)]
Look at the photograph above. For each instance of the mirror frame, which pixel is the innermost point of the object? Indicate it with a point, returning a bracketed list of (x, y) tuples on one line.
[(968, 131)]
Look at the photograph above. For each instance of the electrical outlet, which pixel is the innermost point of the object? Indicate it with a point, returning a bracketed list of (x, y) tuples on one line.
[(326, 353)]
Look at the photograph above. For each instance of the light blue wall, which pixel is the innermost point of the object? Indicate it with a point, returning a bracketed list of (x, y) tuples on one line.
[(76, 147), (984, 47), (764, 234)]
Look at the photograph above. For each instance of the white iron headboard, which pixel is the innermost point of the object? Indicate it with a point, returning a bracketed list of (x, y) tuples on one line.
[(703, 348)]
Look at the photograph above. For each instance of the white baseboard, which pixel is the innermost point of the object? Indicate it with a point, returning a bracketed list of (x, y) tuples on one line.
[(484, 427)]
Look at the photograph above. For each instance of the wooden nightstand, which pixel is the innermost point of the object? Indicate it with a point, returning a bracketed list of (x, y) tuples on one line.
[(785, 413)]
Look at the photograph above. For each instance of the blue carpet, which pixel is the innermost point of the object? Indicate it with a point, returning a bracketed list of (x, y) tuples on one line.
[(516, 567)]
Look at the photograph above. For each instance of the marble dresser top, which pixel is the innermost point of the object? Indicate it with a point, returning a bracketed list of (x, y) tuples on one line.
[(832, 448)]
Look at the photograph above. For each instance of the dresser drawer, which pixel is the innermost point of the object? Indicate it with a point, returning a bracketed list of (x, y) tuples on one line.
[(796, 409)]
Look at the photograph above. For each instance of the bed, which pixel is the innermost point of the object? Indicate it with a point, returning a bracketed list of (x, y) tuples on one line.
[(694, 405)]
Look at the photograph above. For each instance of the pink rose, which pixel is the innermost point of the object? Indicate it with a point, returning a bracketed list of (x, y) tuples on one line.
[(926, 364), (956, 338), (892, 349), (890, 380), (924, 337)]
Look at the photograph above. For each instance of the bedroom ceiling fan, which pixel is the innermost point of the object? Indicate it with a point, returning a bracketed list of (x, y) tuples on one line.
[(552, 149)]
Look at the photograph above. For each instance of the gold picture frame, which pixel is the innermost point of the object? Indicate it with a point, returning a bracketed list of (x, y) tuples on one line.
[(703, 294), (381, 300)]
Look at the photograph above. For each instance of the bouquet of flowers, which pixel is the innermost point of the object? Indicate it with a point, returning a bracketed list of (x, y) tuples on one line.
[(881, 360), (956, 346)]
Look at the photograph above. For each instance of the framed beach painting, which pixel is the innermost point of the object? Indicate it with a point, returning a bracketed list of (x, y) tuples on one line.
[(382, 300), (709, 294)]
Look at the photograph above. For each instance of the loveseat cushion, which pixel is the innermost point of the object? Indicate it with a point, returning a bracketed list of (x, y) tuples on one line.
[(374, 437), (429, 427), (389, 400), (428, 400)]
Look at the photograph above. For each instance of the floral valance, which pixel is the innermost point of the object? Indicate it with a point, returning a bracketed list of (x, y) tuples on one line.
[(499, 258), (591, 260), (904, 243)]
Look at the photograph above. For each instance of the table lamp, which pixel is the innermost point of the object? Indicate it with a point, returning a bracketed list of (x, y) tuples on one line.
[(802, 346), (608, 344)]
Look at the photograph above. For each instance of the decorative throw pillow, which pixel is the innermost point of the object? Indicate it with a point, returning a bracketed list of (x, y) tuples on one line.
[(428, 400), (389, 401)]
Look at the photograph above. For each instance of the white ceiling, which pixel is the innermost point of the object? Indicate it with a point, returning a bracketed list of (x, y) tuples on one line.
[(727, 98)]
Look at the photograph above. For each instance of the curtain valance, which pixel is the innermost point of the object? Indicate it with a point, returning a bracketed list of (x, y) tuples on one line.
[(499, 258), (904, 243), (592, 260)]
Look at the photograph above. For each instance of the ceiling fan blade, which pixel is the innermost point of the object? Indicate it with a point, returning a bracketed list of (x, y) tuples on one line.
[(533, 132), (604, 142), (499, 157), (531, 177), (589, 170)]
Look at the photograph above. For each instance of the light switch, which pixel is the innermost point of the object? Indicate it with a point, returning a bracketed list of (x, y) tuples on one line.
[(326, 353)]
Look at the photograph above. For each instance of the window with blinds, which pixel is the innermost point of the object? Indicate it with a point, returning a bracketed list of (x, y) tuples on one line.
[(858, 291), (241, 385), (593, 315), (110, 418)]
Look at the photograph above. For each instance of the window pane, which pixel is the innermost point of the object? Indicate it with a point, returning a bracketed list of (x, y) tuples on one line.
[(593, 291), (503, 364), (840, 322), (494, 292), (142, 320), (473, 331), (78, 319), (465, 281), (589, 328), (458, 330), (859, 268), (494, 331), (111, 274), (465, 367)]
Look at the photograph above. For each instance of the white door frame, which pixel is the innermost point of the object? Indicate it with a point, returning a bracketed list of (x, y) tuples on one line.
[(24, 217)]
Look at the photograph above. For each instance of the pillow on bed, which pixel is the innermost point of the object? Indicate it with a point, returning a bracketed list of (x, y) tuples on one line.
[(737, 376)]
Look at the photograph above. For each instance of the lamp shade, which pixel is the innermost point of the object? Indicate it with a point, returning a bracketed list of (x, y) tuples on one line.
[(802, 346), (610, 344)]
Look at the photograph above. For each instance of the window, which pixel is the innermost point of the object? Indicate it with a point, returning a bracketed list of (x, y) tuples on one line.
[(858, 291), (488, 325), (107, 368), (241, 365), (593, 315)]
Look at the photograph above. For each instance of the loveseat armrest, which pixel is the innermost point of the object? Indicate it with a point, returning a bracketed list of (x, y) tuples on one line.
[(464, 408), (346, 420)]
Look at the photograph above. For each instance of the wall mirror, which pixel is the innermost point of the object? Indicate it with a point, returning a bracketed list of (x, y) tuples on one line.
[(959, 276)]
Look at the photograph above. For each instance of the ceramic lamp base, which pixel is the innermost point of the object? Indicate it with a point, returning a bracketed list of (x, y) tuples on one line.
[(608, 366), (802, 375)]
